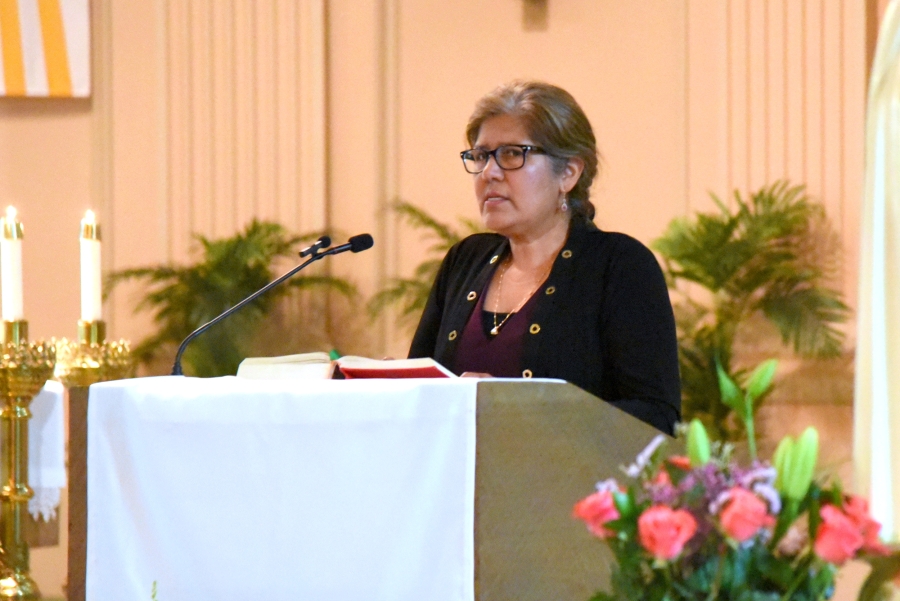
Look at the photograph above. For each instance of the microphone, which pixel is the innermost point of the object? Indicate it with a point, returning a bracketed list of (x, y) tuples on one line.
[(323, 242), (356, 244)]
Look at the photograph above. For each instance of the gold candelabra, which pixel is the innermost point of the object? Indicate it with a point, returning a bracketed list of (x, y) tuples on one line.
[(24, 369), (91, 359)]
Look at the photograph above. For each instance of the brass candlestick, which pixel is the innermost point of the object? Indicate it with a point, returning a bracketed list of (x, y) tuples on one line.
[(92, 359), (24, 369)]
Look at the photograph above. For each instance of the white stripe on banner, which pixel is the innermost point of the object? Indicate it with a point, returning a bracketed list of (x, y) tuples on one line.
[(58, 64), (76, 21), (33, 49)]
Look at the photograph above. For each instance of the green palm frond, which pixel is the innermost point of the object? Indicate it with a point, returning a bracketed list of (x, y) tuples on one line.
[(227, 270), (771, 254), (411, 294)]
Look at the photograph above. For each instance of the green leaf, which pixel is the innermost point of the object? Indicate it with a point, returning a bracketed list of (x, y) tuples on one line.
[(803, 464), (731, 394), (781, 460), (698, 444), (624, 503), (761, 379)]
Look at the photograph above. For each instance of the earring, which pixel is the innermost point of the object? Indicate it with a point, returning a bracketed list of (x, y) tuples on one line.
[(564, 206)]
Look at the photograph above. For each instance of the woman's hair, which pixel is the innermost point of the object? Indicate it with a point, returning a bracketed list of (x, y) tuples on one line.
[(553, 121)]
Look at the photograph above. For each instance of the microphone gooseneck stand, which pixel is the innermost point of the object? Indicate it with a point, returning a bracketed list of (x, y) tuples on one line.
[(355, 244)]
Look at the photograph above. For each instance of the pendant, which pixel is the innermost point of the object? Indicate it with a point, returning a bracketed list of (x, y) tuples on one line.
[(495, 330)]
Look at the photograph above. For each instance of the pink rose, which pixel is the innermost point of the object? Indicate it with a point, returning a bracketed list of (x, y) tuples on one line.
[(680, 461), (596, 510), (857, 509), (664, 531), (662, 478), (838, 538), (744, 515)]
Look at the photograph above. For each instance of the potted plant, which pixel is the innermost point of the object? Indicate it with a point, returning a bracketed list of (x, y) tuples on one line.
[(411, 293), (772, 254), (227, 270)]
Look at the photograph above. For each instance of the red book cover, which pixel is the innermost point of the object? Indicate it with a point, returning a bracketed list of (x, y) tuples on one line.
[(401, 368)]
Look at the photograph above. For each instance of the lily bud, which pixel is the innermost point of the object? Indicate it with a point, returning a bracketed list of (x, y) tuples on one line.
[(698, 444), (806, 453), (781, 460), (795, 462)]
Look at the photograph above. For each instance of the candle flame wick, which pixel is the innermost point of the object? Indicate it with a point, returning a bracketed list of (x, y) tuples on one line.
[(11, 214), (89, 216)]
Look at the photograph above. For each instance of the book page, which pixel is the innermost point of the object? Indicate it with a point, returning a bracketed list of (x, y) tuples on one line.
[(317, 366)]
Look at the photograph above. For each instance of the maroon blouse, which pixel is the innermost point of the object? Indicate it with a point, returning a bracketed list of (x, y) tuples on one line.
[(499, 355)]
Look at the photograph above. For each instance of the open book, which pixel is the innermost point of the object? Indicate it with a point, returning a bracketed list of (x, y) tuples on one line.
[(321, 366)]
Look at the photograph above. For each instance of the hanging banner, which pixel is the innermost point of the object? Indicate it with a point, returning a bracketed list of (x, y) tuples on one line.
[(45, 48)]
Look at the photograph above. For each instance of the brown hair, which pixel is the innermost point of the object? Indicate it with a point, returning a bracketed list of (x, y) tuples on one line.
[(555, 122)]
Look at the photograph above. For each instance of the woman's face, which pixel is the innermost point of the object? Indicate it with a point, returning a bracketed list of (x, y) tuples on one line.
[(522, 203)]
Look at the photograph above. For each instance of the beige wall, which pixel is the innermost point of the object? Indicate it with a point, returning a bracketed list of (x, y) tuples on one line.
[(197, 121), (206, 113)]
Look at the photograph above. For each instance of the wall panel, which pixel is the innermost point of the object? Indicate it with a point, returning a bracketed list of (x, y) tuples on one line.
[(246, 86), (791, 110)]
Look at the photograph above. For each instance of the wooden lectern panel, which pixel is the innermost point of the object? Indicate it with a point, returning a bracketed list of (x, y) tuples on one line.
[(540, 448)]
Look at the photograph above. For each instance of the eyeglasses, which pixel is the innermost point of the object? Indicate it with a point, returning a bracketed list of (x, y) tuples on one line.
[(507, 157)]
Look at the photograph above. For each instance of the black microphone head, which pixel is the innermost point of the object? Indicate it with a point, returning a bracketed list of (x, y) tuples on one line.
[(322, 242), (361, 242)]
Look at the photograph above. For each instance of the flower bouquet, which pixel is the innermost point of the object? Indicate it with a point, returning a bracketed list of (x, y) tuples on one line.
[(704, 526)]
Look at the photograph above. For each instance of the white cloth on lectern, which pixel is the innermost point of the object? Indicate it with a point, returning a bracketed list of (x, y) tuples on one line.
[(228, 488), (47, 451)]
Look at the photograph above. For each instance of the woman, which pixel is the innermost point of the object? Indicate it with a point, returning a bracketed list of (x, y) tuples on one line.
[(549, 294)]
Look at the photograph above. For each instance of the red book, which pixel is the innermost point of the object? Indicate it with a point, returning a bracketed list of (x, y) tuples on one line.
[(358, 367), (320, 366)]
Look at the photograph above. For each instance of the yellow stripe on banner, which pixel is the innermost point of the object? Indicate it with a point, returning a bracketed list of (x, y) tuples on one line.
[(59, 80), (13, 63)]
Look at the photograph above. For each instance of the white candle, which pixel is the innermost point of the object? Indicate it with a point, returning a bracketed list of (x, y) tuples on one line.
[(91, 299), (11, 267)]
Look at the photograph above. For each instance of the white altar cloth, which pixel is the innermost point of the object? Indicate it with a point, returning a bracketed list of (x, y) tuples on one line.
[(47, 451), (228, 488)]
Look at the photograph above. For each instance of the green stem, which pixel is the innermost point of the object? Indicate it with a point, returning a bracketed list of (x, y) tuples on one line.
[(801, 574), (669, 584), (751, 434), (717, 583)]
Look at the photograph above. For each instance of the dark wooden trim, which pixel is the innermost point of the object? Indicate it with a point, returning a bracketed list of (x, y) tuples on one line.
[(78, 404)]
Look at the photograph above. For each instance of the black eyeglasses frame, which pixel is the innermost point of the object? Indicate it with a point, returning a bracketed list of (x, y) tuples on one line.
[(526, 148)]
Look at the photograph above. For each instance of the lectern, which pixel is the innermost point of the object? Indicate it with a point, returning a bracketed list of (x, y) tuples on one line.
[(539, 447)]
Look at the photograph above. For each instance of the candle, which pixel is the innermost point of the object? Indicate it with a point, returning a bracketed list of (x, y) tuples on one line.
[(11, 266), (91, 299)]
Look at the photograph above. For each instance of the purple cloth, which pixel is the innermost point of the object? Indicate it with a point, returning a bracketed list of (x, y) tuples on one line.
[(499, 355)]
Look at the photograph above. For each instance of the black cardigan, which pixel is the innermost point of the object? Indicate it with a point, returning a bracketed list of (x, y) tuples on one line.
[(603, 320)]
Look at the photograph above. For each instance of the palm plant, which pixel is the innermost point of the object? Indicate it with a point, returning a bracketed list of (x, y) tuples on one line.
[(773, 254), (228, 270), (411, 293)]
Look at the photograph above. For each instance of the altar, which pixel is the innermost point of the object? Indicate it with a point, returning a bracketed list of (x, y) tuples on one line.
[(228, 488)]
